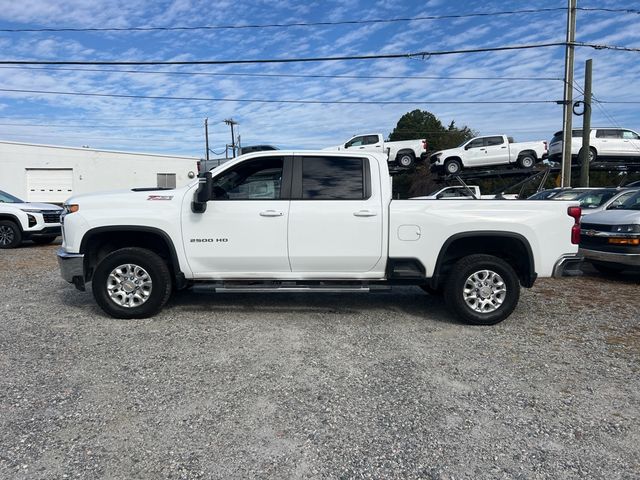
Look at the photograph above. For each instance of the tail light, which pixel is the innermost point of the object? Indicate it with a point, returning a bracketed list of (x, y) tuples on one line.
[(199, 167), (575, 213), (424, 145), (546, 146)]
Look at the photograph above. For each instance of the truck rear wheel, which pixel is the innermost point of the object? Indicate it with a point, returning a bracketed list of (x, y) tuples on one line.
[(526, 160), (482, 289), (405, 160), (132, 283), (10, 234)]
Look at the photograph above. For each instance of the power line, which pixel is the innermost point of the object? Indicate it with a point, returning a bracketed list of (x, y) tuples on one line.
[(165, 126), (311, 24), (281, 25), (423, 55), (607, 47), (284, 75), (254, 100), (608, 10)]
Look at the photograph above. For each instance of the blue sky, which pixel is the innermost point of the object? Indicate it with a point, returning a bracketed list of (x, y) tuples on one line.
[(176, 126)]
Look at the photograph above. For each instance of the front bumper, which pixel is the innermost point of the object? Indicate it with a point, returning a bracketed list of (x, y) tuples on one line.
[(629, 259), (71, 267), (568, 266), (45, 232)]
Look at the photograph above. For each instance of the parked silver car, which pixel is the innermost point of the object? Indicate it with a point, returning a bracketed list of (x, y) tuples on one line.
[(610, 239)]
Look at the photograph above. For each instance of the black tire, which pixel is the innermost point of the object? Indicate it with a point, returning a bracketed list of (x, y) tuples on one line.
[(452, 167), (43, 240), (607, 268), (593, 155), (10, 234), (405, 160), (153, 265), (463, 270), (526, 160)]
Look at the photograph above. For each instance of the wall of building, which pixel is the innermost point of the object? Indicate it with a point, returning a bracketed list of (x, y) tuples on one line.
[(86, 170)]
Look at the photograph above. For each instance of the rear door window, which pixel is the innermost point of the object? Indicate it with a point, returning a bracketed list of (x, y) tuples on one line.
[(493, 141), (609, 133), (334, 178)]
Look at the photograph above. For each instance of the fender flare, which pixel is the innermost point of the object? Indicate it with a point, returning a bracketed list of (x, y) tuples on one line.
[(528, 282), (173, 255)]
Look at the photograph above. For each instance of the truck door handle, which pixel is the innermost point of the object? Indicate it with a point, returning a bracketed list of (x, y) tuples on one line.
[(483, 149), (271, 213), (365, 213), (361, 148), (503, 147)]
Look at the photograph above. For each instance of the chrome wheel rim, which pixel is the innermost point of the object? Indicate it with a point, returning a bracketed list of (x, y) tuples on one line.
[(7, 235), (527, 162), (129, 285), (452, 168), (484, 291), (405, 161)]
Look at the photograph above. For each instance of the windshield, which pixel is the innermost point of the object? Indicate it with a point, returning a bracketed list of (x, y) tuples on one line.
[(596, 199), (6, 198), (632, 203), (569, 195)]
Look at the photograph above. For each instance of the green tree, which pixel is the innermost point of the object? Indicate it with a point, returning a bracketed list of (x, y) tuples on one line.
[(424, 124)]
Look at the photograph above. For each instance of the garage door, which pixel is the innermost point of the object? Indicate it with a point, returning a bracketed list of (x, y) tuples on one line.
[(49, 185)]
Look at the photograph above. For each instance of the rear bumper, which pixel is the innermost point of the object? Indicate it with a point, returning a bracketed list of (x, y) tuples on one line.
[(568, 266), (630, 259), (71, 267)]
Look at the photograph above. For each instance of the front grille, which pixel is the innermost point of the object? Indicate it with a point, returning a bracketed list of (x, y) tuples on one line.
[(51, 217), (596, 226)]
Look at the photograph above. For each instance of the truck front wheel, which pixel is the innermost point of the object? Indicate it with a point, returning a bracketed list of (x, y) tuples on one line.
[(131, 283), (452, 167), (482, 289)]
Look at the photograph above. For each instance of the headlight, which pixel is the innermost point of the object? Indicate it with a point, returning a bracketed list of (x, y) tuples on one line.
[(626, 228), (70, 208), (31, 210)]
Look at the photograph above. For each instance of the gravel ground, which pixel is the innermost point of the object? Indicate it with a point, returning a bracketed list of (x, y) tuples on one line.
[(317, 386)]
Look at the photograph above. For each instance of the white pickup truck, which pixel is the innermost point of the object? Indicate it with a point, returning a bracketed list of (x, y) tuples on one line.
[(310, 221), (488, 151), (403, 153), (460, 192)]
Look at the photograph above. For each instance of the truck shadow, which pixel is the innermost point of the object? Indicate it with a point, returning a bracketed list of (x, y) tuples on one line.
[(403, 300)]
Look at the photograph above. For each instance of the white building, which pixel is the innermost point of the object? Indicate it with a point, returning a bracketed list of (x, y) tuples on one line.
[(48, 173)]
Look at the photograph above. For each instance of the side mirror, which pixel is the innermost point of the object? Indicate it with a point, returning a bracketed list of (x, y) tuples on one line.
[(346, 145), (203, 194)]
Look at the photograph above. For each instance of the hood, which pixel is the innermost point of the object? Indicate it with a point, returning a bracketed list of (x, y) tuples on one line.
[(34, 206), (614, 217), (113, 198)]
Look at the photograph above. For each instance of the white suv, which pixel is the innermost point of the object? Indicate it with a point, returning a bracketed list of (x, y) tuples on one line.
[(603, 142), (21, 220)]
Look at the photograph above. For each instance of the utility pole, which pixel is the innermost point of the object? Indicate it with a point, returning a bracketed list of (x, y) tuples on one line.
[(231, 122), (568, 93), (586, 125), (206, 139)]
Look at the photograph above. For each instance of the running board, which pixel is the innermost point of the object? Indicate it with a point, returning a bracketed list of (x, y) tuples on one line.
[(287, 286)]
